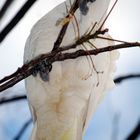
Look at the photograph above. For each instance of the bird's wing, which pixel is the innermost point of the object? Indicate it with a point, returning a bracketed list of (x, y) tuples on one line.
[(99, 13), (105, 81), (36, 37), (27, 57)]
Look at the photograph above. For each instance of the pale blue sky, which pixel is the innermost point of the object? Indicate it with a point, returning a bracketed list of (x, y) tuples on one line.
[(124, 99)]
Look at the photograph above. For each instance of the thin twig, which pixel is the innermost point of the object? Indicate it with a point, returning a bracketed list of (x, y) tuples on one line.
[(111, 39), (135, 133), (22, 130), (108, 14), (12, 99), (126, 77), (5, 7), (16, 19)]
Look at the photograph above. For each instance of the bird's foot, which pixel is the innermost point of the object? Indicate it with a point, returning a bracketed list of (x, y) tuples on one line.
[(83, 6), (43, 68)]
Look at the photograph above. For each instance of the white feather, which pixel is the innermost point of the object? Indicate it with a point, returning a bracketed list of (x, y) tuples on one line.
[(62, 107)]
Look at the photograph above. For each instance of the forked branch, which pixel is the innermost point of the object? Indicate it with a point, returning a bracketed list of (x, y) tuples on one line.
[(58, 55)]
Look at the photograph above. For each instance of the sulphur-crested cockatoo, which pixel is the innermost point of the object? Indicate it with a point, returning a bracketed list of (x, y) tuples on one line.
[(63, 102)]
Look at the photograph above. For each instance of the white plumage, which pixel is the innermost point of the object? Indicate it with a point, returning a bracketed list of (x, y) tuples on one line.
[(62, 107)]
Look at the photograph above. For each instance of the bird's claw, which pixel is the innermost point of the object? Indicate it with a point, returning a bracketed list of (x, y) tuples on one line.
[(43, 68), (83, 6)]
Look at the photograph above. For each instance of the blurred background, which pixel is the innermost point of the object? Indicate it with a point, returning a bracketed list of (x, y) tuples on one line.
[(117, 115)]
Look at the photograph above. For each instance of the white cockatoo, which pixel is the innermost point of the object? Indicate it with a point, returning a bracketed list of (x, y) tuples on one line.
[(63, 102)]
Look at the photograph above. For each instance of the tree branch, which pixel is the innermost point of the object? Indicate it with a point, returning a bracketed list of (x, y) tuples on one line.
[(12, 99), (16, 19), (58, 55), (119, 79), (5, 7), (23, 129), (135, 133), (63, 30)]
